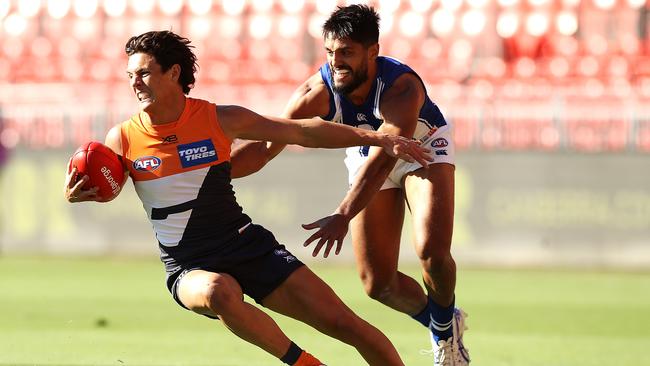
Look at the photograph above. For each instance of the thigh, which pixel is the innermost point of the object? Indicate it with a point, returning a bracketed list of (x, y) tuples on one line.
[(307, 298), (196, 288), (430, 196), (376, 233), (261, 276)]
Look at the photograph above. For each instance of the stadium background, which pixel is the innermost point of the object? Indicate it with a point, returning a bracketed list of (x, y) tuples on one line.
[(550, 100)]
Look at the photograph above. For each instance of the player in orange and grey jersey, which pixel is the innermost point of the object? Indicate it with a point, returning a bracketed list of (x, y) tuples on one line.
[(177, 151)]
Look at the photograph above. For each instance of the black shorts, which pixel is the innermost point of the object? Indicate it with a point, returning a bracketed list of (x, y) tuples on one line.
[(258, 275)]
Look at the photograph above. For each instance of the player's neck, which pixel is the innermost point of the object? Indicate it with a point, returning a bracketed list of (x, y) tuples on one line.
[(359, 95), (167, 111)]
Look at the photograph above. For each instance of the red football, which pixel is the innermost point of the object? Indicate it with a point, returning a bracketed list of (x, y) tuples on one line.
[(102, 165)]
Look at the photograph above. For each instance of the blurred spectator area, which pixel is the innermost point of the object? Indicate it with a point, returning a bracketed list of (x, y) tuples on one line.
[(511, 74)]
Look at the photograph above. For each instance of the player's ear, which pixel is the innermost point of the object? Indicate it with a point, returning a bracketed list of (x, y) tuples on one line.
[(175, 72), (373, 51)]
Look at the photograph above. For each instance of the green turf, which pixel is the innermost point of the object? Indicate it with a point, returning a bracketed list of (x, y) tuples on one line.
[(117, 312)]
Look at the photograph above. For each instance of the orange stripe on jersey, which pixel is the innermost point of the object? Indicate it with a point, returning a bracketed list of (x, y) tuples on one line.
[(195, 141)]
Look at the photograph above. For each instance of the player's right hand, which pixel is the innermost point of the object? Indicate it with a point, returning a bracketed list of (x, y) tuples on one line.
[(73, 188), (331, 231)]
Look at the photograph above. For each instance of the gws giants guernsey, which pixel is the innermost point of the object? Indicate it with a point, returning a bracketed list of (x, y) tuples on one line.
[(181, 172)]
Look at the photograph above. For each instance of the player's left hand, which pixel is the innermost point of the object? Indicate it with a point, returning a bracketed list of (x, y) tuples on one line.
[(407, 149), (332, 230)]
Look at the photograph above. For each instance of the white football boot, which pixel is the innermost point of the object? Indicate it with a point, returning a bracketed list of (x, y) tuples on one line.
[(442, 352), (461, 354), (451, 352)]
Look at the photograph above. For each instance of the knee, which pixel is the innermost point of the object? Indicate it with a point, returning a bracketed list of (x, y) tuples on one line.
[(437, 262), (222, 295), (435, 256), (433, 263), (376, 286), (215, 295)]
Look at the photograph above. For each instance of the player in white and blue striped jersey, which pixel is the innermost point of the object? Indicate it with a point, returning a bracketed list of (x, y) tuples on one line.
[(358, 87)]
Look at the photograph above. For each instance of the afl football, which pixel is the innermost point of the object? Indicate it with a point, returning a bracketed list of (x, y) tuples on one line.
[(102, 165)]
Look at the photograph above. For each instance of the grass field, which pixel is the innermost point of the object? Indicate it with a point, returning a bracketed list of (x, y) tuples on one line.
[(58, 311)]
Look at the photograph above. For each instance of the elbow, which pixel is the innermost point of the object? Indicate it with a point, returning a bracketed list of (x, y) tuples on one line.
[(266, 154)]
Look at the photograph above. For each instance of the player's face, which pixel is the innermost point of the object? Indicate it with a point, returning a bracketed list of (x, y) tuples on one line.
[(149, 83), (349, 63)]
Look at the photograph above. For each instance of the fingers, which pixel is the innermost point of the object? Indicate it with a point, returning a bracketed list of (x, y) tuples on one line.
[(74, 191), (324, 240), (405, 151), (404, 155), (319, 245), (423, 159), (85, 195), (412, 151), (80, 183), (330, 234), (90, 195), (68, 182), (329, 244), (314, 236), (313, 225), (316, 250), (69, 177), (423, 155)]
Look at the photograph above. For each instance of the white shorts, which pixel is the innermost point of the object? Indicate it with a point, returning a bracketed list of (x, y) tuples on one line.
[(442, 151)]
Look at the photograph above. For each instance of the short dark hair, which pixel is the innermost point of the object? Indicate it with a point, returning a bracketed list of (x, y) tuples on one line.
[(168, 49), (359, 23)]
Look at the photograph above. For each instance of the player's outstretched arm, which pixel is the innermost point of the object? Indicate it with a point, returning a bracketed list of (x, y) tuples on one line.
[(400, 108), (239, 122), (309, 100)]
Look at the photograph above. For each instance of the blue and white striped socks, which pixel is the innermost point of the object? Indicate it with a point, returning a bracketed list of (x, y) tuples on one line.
[(437, 318)]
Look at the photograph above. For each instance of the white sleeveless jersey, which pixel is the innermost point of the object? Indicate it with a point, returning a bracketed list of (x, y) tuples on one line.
[(432, 129)]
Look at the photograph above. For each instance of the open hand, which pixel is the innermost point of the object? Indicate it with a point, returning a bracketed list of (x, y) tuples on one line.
[(332, 230), (407, 149)]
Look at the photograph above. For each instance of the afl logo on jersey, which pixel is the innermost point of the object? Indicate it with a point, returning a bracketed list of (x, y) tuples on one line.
[(439, 142), (361, 117), (147, 163)]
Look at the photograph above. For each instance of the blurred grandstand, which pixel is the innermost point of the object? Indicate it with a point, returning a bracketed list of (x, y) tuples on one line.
[(512, 74), (550, 100)]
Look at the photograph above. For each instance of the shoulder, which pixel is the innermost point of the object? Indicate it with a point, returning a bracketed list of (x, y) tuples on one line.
[(114, 138), (310, 99), (231, 113), (402, 102), (314, 85), (406, 86)]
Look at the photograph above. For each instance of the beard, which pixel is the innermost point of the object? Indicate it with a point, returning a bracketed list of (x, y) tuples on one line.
[(358, 77)]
